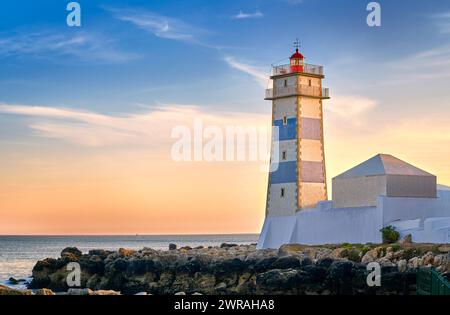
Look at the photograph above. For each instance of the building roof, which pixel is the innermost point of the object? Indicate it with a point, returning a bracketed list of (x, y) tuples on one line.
[(383, 164)]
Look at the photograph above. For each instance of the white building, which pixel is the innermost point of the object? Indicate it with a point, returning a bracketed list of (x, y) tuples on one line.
[(379, 192)]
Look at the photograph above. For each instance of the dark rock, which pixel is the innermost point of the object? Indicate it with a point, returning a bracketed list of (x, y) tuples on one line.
[(316, 273), (244, 271), (100, 252), (286, 262), (13, 281), (71, 252), (120, 265), (172, 246), (324, 262), (278, 280), (226, 245), (339, 279), (264, 264), (306, 261), (94, 265), (228, 266)]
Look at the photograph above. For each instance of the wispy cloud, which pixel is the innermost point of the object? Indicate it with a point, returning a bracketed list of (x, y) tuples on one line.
[(258, 74), (242, 15), (148, 128), (158, 25), (428, 64), (351, 106), (442, 21), (83, 46)]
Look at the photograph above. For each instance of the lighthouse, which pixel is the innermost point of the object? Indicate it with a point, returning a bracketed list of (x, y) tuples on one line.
[(298, 178), (382, 191)]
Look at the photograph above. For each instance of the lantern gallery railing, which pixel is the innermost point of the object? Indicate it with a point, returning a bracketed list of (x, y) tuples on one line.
[(303, 90), (307, 68)]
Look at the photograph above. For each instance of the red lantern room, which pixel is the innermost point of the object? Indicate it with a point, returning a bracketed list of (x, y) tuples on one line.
[(297, 62)]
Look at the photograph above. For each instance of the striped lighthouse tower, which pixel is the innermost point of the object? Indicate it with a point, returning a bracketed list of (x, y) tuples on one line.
[(297, 179)]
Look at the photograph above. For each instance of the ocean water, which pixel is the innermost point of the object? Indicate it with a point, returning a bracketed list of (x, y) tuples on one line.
[(18, 254)]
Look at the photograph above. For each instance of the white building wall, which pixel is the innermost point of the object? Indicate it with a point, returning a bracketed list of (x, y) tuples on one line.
[(426, 219), (323, 225), (403, 208)]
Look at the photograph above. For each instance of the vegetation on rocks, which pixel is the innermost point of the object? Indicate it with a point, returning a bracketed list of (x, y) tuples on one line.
[(389, 234)]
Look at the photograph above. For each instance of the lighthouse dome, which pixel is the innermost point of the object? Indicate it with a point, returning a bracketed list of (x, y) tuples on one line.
[(297, 55)]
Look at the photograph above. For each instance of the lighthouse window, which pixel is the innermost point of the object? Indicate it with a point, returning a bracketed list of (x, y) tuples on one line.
[(283, 155), (285, 120), (282, 192)]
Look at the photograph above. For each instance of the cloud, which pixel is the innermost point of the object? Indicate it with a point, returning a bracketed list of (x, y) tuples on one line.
[(84, 46), (242, 15), (149, 128), (429, 64), (442, 22), (258, 74), (350, 107), (158, 25)]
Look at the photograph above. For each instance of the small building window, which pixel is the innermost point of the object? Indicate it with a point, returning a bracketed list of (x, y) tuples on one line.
[(309, 82), (283, 155), (282, 192), (285, 83), (285, 120)]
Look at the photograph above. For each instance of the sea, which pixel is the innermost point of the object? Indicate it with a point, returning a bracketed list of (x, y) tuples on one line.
[(18, 254)]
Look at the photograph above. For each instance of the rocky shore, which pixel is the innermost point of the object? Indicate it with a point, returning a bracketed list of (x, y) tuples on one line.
[(241, 269)]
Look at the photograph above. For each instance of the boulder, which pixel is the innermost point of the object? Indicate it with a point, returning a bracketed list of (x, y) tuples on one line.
[(4, 290), (402, 265), (45, 291), (407, 239), (370, 256), (172, 246), (126, 252), (339, 253), (289, 249), (241, 269), (444, 248), (221, 286), (226, 245), (106, 292), (71, 252), (286, 262), (84, 291), (13, 281), (428, 259)]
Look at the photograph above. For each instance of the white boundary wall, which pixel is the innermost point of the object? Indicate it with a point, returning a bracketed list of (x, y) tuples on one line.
[(426, 219)]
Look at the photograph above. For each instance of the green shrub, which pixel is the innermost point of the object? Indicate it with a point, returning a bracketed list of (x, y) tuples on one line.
[(395, 247), (389, 234), (354, 255), (364, 250)]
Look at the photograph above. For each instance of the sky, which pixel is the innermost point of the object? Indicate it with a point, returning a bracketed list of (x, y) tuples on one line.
[(86, 113)]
